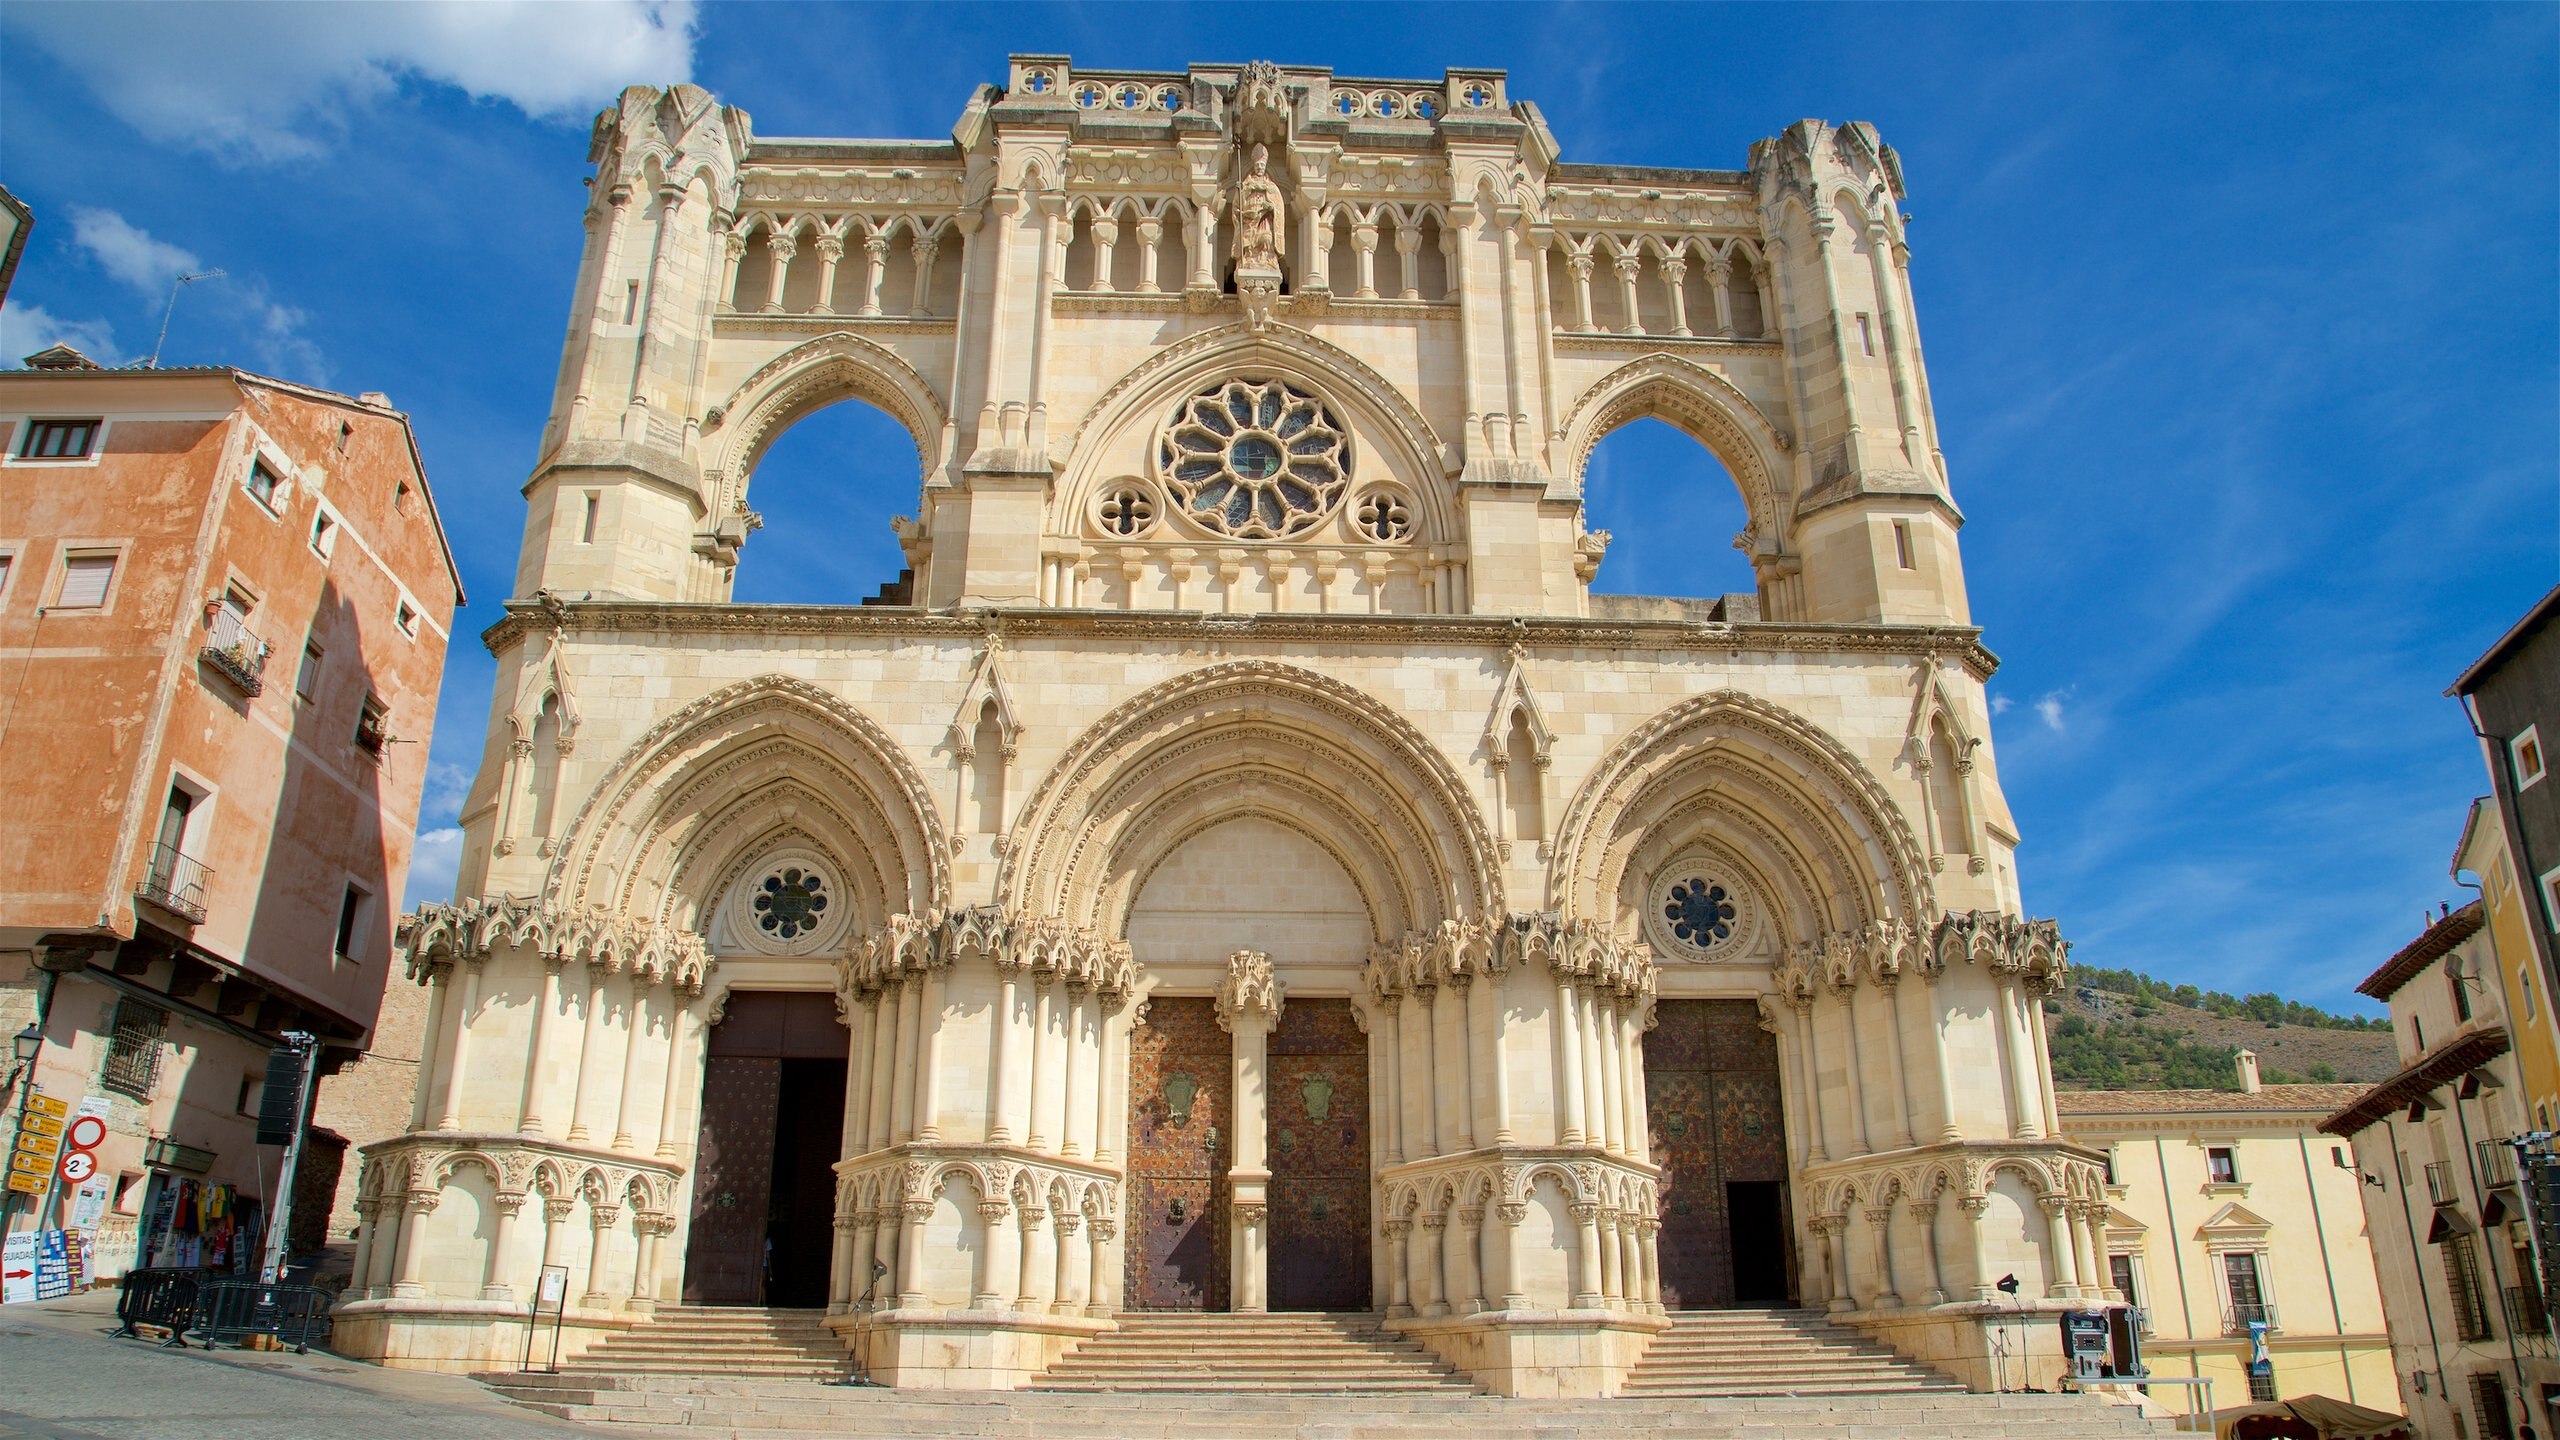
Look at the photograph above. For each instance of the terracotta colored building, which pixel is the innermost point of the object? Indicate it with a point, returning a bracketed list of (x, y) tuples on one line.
[(224, 603)]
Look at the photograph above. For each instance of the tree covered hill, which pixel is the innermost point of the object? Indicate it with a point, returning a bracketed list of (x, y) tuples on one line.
[(2120, 1030)]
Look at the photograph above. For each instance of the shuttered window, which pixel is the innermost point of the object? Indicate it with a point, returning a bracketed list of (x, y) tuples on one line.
[(85, 579)]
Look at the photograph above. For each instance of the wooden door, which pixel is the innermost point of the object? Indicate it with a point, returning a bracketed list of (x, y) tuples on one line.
[(733, 1181), (1181, 1133), (1717, 1130), (1319, 1142)]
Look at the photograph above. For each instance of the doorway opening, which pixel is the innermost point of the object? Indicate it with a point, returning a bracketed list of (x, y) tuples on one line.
[(1718, 1131), (1181, 1144), (764, 1183), (1319, 1158)]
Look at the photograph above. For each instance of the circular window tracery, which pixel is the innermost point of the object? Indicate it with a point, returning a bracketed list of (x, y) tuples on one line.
[(1383, 516), (789, 903), (1255, 459), (1700, 908), (1125, 511)]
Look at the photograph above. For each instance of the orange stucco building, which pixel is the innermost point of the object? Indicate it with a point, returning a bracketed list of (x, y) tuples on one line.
[(224, 607)]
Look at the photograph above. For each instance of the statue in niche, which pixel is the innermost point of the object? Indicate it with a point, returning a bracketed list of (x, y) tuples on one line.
[(1259, 210)]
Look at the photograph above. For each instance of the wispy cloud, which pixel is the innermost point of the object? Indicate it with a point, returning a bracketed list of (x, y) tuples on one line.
[(432, 867), (26, 328), (2049, 709), (2002, 704), (128, 252), (270, 82)]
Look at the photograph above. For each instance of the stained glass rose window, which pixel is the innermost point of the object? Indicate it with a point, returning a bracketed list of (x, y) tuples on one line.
[(1255, 459)]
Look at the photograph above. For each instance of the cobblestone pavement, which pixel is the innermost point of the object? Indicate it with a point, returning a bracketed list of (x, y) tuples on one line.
[(64, 1377)]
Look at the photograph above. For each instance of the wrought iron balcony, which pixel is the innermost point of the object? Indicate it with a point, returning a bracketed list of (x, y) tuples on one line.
[(2497, 1162), (2441, 1190), (176, 882), (2528, 1323), (2236, 1319), (233, 649)]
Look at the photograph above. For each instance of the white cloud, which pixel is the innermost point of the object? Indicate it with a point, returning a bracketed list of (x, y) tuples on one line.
[(448, 785), (26, 329), (277, 81), (128, 252), (432, 866), (2002, 704), (2049, 709)]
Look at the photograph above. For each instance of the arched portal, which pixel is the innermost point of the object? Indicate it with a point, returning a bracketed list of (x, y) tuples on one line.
[(825, 491), (1676, 518)]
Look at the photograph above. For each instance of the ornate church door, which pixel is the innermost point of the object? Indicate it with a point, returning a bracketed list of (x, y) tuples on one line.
[(1319, 1144), (1719, 1134), (1181, 1135), (772, 1129)]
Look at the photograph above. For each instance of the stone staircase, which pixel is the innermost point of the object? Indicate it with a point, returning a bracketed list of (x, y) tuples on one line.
[(1155, 1353), (1774, 1352), (738, 1341)]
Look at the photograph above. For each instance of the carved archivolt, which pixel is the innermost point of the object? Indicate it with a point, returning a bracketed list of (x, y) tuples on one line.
[(1700, 402), (809, 377), (1366, 774), (1834, 808), (1965, 1173), (670, 789)]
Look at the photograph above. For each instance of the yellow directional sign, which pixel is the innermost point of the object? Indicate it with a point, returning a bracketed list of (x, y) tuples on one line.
[(27, 1184), (41, 1104), (29, 1163), (41, 1125)]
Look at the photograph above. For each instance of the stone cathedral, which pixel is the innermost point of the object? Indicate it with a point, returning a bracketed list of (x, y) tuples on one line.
[(1240, 865)]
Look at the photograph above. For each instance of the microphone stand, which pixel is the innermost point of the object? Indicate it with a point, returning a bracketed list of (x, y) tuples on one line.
[(859, 1371)]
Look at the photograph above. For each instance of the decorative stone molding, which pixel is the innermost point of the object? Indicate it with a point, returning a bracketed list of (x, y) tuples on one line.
[(466, 931), (1050, 949), (1249, 987)]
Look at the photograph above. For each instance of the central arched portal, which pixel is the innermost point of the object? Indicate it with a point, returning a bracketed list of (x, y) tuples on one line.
[(772, 1127), (1250, 882)]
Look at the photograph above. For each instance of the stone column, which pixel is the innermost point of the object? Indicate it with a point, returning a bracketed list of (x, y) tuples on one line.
[(1650, 1257), (2064, 1280), (1000, 1055), (2018, 1016), (1596, 1117), (1080, 1071), (637, 1034), (2043, 1089), (1150, 234), (1035, 1267), (1569, 1026), (1580, 264), (1364, 239), (555, 1226), (1387, 1042), (529, 1120), (1720, 280), (602, 1215), (1843, 1296), (1905, 1133), (414, 1211), (875, 268), (1249, 1005), (910, 1252), (884, 1068), (1973, 1206), (999, 1260), (1948, 1131), (457, 1050), (1613, 1072), (1628, 267), (841, 1262), (902, 1099), (644, 1264), (1675, 268), (922, 251), (1857, 1046), (670, 1094), (1428, 1258), (493, 1284), (360, 1274), (1102, 1286), (929, 1058), (1889, 1295), (1925, 1215), (1506, 1252), (2089, 1244), (1399, 1268), (830, 255), (1042, 1012), (439, 995), (1809, 1079), (1067, 1292), (1586, 1277), (780, 248), (1416, 1086), (593, 1031), (1612, 1275), (1113, 1070), (1487, 1000), (1466, 1277)]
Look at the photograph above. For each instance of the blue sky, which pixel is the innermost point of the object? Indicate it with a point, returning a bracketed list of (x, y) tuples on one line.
[(2240, 322)]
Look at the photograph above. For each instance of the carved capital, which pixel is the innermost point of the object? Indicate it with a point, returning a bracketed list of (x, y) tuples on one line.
[(1250, 990)]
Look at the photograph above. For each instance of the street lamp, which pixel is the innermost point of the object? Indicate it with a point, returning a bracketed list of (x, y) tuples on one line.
[(24, 1045)]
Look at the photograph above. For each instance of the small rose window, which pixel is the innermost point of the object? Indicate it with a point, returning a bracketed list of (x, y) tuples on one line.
[(1699, 912), (1255, 459), (789, 903)]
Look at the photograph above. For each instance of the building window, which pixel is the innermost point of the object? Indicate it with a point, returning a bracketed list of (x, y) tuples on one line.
[(2462, 1284), (2489, 1406), (2524, 978), (2120, 1275), (2461, 991), (373, 725), (86, 578), (2111, 1166), (59, 439), (306, 681), (406, 617), (5, 558), (133, 1049), (2244, 1280), (2551, 897), (2525, 752), (2221, 1165), (263, 481), (350, 922), (251, 1082), (324, 535), (2262, 1384), (400, 498), (1902, 544)]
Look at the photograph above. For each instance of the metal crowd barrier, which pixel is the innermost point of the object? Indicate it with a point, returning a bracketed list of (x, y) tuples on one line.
[(166, 1297), (233, 1310)]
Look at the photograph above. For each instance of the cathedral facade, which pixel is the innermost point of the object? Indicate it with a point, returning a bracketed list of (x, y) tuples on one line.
[(1241, 866)]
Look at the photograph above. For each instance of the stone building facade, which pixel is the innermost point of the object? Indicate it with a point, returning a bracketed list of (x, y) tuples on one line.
[(1242, 866)]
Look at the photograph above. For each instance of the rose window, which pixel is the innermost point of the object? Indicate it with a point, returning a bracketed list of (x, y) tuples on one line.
[(1699, 912), (1255, 459), (789, 903)]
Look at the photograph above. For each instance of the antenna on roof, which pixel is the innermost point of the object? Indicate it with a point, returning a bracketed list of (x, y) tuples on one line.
[(181, 283)]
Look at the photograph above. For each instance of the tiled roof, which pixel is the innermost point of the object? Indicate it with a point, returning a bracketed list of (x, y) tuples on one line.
[(2310, 1099), (2418, 954), (2448, 1062)]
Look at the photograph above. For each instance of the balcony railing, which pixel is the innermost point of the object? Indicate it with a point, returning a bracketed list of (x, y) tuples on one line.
[(233, 649), (2236, 1319), (2440, 1187), (2528, 1324), (2497, 1163), (175, 881)]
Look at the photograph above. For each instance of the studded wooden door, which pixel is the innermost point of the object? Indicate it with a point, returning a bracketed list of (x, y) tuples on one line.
[(1181, 1134), (1712, 1099), (1319, 1133), (733, 1186)]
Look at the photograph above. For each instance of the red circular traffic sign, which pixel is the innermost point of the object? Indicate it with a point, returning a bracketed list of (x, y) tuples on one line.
[(78, 1165), (86, 1133)]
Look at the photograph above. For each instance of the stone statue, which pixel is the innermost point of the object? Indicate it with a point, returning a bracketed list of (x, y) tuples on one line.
[(1258, 214)]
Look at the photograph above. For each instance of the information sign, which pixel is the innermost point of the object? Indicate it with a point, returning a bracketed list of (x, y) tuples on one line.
[(18, 1268)]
